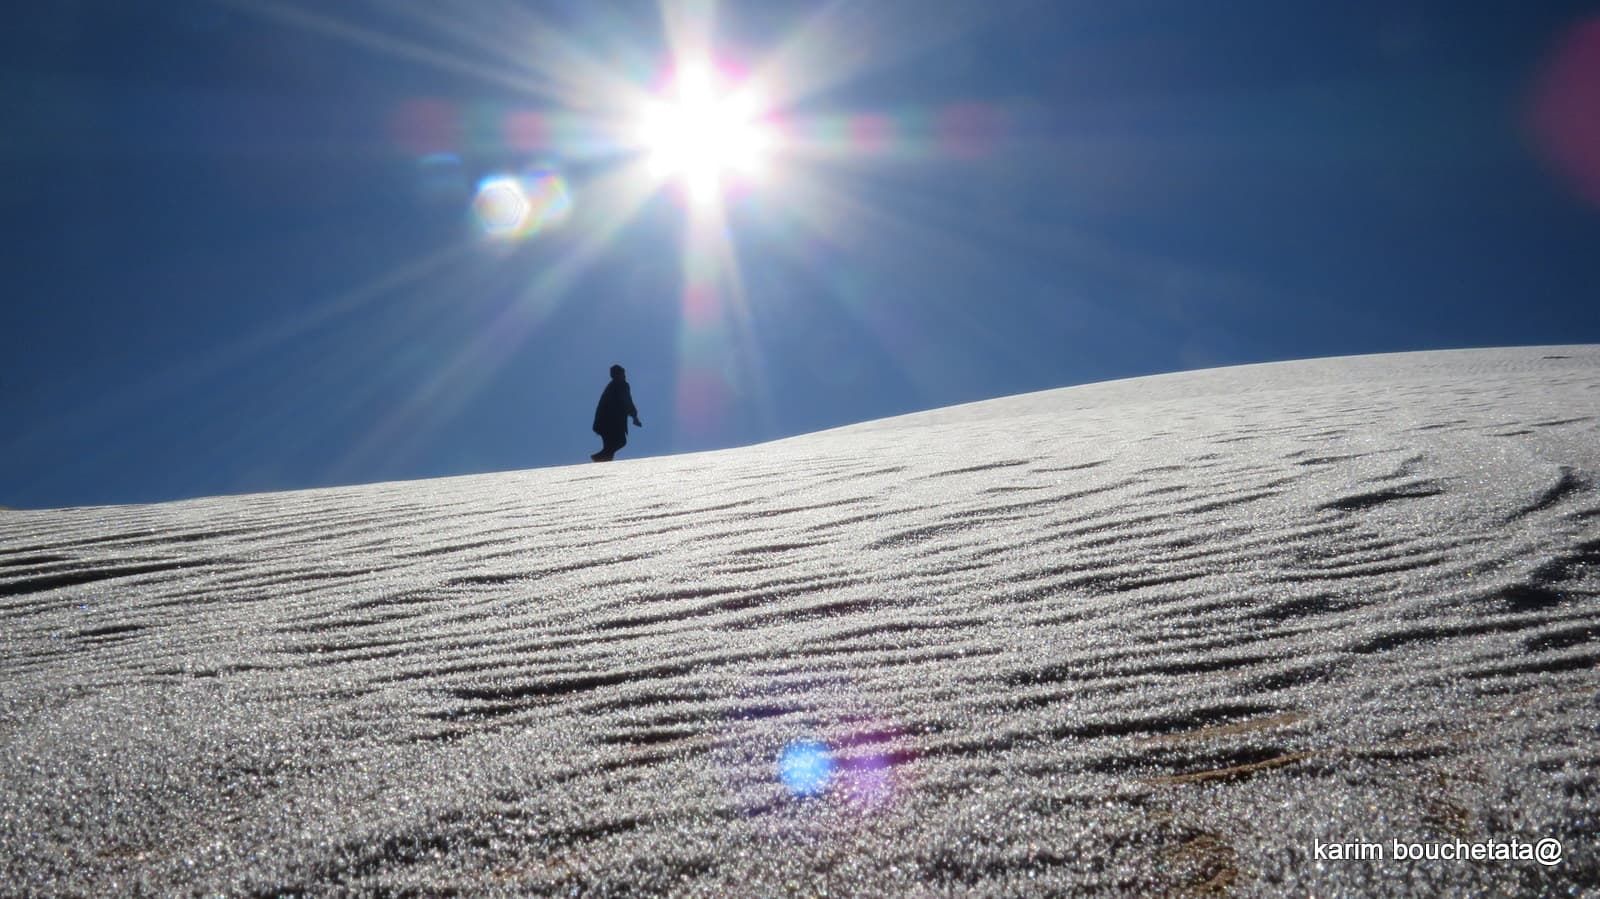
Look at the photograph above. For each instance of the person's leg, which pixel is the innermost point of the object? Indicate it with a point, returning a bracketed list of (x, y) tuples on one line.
[(613, 442)]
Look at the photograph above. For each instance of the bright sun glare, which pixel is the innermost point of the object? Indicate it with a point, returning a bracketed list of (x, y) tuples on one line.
[(704, 134)]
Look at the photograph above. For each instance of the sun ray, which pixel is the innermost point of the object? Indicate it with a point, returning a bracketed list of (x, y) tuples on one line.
[(847, 221), (577, 79), (713, 128), (714, 297), (219, 359), (846, 39), (689, 26), (836, 219), (513, 76), (617, 196)]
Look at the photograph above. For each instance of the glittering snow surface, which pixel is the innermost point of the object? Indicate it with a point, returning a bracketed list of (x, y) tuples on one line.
[(1148, 636)]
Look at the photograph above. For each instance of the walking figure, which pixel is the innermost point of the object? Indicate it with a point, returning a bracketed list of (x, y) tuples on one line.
[(612, 414)]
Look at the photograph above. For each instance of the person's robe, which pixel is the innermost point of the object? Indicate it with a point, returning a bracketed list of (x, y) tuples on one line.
[(611, 414)]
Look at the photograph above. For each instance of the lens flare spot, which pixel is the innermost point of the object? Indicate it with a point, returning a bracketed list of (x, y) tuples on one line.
[(526, 131), (1565, 104), (871, 133), (867, 782), (510, 207), (805, 767), (501, 206), (425, 126), (700, 306)]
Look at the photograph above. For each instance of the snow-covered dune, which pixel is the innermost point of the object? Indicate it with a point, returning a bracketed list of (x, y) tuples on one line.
[(1179, 633)]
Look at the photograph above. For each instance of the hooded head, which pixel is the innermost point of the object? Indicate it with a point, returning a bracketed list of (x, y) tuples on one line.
[(617, 373)]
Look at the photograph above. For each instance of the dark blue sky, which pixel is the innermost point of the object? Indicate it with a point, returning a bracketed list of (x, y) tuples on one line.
[(228, 266)]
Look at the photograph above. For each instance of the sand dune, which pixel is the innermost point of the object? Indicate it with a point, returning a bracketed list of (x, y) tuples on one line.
[(1162, 635)]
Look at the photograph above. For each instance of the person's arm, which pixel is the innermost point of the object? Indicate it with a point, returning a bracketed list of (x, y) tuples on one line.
[(632, 411)]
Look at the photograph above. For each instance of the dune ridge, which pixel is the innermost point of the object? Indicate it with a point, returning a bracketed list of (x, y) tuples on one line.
[(1161, 635)]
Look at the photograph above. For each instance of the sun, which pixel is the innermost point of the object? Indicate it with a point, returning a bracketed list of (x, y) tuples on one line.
[(706, 133)]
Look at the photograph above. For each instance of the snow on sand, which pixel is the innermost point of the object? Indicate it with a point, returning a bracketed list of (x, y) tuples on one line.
[(1171, 634)]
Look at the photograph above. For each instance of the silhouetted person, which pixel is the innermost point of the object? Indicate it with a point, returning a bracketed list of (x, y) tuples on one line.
[(612, 414)]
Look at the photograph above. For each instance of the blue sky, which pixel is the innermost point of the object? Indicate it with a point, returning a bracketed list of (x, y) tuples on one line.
[(242, 255)]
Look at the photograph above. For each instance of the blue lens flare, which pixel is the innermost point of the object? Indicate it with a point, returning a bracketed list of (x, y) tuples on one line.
[(513, 207), (805, 767)]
